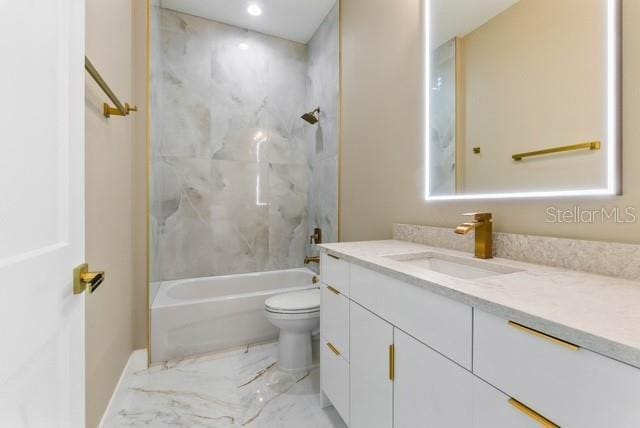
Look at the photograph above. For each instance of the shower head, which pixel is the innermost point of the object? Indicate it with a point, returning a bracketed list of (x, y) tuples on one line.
[(312, 117)]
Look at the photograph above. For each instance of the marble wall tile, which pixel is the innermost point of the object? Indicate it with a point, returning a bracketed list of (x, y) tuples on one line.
[(236, 173), (323, 92), (601, 258)]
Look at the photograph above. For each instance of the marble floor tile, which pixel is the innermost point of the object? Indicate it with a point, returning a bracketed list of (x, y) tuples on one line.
[(240, 388)]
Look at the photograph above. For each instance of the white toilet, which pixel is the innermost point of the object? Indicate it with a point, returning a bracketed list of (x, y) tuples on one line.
[(296, 314)]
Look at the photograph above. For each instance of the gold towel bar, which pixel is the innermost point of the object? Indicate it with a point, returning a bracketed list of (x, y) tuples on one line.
[(119, 110), (592, 145)]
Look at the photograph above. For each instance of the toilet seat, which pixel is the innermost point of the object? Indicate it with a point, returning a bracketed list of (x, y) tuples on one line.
[(293, 303)]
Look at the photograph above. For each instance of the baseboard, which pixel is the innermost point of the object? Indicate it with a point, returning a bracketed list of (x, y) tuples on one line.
[(137, 361)]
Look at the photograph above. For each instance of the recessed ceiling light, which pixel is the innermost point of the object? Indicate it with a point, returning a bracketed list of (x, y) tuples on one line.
[(254, 10), (243, 46)]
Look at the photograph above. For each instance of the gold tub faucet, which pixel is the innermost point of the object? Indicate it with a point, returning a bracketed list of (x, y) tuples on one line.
[(483, 225), (313, 259)]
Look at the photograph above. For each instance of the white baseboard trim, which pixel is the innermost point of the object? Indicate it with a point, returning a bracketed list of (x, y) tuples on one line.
[(137, 361)]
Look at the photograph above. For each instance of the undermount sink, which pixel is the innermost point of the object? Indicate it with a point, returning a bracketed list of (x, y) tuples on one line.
[(458, 267)]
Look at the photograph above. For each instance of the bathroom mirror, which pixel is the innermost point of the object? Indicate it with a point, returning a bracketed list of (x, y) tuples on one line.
[(244, 164), (521, 98)]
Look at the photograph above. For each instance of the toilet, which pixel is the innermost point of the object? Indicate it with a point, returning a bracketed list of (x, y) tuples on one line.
[(296, 314)]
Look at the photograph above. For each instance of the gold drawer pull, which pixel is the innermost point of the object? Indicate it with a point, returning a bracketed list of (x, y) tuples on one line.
[(546, 337), (333, 257), (544, 422), (333, 348), (333, 290), (392, 362)]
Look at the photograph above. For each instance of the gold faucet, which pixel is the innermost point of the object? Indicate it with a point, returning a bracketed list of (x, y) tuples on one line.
[(313, 259), (483, 225)]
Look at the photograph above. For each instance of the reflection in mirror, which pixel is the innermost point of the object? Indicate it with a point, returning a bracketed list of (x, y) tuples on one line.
[(522, 98)]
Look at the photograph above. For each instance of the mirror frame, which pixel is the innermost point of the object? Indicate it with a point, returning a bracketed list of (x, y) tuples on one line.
[(614, 109)]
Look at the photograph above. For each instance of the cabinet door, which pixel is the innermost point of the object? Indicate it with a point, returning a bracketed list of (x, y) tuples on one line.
[(371, 386), (429, 389)]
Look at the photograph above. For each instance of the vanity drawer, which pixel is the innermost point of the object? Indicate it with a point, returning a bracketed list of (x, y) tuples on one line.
[(335, 272), (334, 319), (571, 386), (334, 379), (441, 323)]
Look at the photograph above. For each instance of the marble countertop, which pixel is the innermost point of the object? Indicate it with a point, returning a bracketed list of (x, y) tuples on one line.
[(598, 313)]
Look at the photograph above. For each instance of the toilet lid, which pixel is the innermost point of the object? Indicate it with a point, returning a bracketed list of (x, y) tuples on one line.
[(296, 301)]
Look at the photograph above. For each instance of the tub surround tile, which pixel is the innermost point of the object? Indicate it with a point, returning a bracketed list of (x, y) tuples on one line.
[(239, 180), (600, 313), (323, 91), (233, 389), (601, 258)]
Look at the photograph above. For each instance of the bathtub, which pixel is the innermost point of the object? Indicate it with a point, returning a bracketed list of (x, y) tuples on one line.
[(194, 316)]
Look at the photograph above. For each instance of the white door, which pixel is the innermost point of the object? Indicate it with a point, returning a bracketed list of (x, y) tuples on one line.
[(41, 213), (429, 389), (371, 384)]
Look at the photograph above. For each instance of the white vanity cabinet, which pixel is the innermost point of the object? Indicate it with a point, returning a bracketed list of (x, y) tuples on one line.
[(396, 355), (371, 383), (429, 390), (569, 385)]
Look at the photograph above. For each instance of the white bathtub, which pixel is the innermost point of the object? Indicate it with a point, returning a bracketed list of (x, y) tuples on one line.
[(193, 316)]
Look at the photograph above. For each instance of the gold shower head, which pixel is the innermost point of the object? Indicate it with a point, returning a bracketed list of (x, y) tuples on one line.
[(312, 117)]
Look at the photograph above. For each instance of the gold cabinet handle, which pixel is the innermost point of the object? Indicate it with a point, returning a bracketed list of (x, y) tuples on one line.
[(83, 279), (333, 290), (333, 257), (392, 362), (544, 422), (546, 337), (333, 348)]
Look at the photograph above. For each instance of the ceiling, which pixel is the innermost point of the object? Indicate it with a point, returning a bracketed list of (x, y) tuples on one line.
[(460, 17), (295, 20)]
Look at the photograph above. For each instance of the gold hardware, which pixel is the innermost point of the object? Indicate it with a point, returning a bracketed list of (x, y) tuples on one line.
[(392, 362), (333, 257), (592, 145), (313, 259), (83, 279), (544, 422), (316, 238), (108, 111), (476, 150), (333, 348), (546, 337), (483, 225), (333, 290)]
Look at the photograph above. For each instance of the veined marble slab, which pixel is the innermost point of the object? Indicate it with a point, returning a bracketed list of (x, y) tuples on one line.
[(601, 258), (240, 388), (599, 313)]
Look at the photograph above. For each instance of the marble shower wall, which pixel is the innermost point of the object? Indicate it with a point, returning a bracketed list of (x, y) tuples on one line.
[(323, 91), (231, 166)]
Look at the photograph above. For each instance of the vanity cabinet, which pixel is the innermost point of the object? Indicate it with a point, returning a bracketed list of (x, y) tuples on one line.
[(429, 390), (569, 385), (371, 383), (396, 355)]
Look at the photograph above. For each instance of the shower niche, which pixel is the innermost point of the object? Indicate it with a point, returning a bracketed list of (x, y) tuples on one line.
[(244, 137)]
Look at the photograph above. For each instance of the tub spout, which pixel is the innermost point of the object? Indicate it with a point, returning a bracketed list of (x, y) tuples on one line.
[(313, 259)]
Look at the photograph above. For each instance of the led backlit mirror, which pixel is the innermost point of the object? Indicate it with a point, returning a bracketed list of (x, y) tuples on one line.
[(521, 98)]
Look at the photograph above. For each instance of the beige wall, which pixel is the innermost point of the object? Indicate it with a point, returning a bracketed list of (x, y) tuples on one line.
[(382, 146), (115, 197), (538, 66)]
